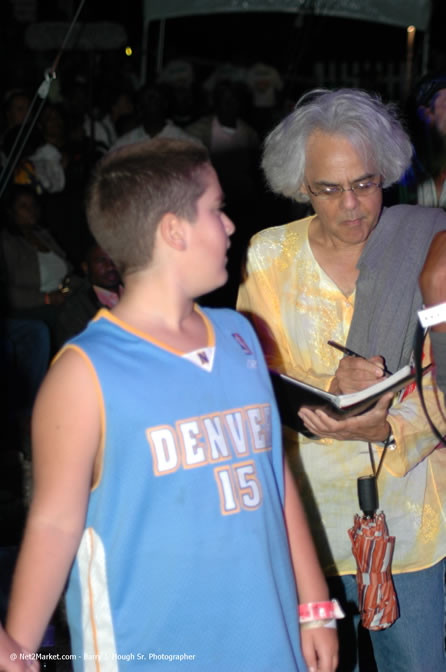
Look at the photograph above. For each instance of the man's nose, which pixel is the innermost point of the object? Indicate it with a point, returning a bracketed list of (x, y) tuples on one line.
[(349, 198)]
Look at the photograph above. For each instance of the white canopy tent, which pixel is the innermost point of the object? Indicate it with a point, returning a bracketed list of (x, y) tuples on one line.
[(394, 12)]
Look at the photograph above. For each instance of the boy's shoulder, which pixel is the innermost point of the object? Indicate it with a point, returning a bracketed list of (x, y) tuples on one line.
[(233, 324), (225, 317)]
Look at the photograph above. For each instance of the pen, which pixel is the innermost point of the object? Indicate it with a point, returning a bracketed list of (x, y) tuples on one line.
[(351, 353)]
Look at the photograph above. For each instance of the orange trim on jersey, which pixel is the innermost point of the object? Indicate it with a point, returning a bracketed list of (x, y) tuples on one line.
[(106, 314), (99, 458), (209, 327)]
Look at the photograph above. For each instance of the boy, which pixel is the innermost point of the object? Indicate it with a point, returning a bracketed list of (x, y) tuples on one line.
[(157, 455)]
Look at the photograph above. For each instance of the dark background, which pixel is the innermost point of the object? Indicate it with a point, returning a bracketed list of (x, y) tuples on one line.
[(292, 43)]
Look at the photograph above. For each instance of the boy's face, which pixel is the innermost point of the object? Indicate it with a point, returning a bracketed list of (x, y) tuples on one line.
[(208, 237)]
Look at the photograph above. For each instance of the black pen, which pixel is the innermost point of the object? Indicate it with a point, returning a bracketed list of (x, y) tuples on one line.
[(351, 353)]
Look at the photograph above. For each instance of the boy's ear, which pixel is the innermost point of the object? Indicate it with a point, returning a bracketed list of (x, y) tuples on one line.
[(173, 231)]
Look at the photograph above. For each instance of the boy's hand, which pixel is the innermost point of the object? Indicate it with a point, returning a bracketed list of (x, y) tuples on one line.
[(12, 656), (320, 649)]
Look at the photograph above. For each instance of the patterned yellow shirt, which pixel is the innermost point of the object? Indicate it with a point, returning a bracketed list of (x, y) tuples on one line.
[(296, 308)]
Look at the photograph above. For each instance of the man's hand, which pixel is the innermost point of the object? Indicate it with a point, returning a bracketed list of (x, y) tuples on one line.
[(369, 426), (355, 373)]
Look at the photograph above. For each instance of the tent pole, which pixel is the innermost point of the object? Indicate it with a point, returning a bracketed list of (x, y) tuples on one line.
[(425, 53), (144, 53), (160, 55)]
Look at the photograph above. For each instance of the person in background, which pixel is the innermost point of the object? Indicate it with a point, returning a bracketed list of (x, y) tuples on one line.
[(224, 131), (15, 109), (153, 112), (184, 92), (266, 85), (81, 112), (158, 482), (234, 149), (425, 181), (433, 289), (49, 158), (101, 288), (349, 273), (35, 265), (120, 104)]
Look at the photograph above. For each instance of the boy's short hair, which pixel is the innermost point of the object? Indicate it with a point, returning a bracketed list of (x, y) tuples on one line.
[(134, 186)]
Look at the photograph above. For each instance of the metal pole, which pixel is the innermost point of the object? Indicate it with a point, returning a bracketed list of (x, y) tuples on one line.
[(425, 52), (144, 53), (160, 55)]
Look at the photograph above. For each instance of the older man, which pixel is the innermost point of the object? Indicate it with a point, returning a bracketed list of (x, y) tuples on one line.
[(350, 273)]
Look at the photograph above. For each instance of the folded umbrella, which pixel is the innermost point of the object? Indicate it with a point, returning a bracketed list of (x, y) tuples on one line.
[(372, 548)]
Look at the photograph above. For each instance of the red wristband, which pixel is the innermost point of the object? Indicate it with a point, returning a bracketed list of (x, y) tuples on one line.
[(47, 299), (320, 611)]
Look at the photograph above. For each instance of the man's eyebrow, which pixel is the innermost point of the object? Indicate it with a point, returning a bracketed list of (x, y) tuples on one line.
[(326, 183)]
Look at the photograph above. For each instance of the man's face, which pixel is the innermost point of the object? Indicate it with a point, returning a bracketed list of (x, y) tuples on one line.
[(25, 211), (332, 160), (17, 110), (101, 270)]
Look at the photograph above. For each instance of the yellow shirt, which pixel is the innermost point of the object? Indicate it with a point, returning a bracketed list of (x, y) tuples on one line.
[(296, 308)]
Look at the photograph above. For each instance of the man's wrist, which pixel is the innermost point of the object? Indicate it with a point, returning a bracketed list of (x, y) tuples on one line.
[(389, 439)]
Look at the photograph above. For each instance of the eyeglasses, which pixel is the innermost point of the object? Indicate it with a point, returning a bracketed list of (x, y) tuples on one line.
[(360, 188)]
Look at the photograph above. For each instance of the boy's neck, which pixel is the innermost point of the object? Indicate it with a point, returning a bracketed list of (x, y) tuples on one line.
[(162, 314)]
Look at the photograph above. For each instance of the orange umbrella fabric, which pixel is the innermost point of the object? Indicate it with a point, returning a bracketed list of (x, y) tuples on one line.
[(373, 550)]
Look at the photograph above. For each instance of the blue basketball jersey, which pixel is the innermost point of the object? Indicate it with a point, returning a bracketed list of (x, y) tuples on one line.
[(184, 560)]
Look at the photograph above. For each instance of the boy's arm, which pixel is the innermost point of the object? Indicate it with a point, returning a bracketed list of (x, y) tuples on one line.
[(66, 431), (10, 658), (319, 645), (433, 275)]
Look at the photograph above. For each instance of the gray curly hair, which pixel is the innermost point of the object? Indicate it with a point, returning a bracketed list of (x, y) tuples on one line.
[(373, 128)]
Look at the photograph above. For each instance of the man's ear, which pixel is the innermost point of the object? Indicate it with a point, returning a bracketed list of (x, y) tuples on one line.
[(172, 230), (303, 189)]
